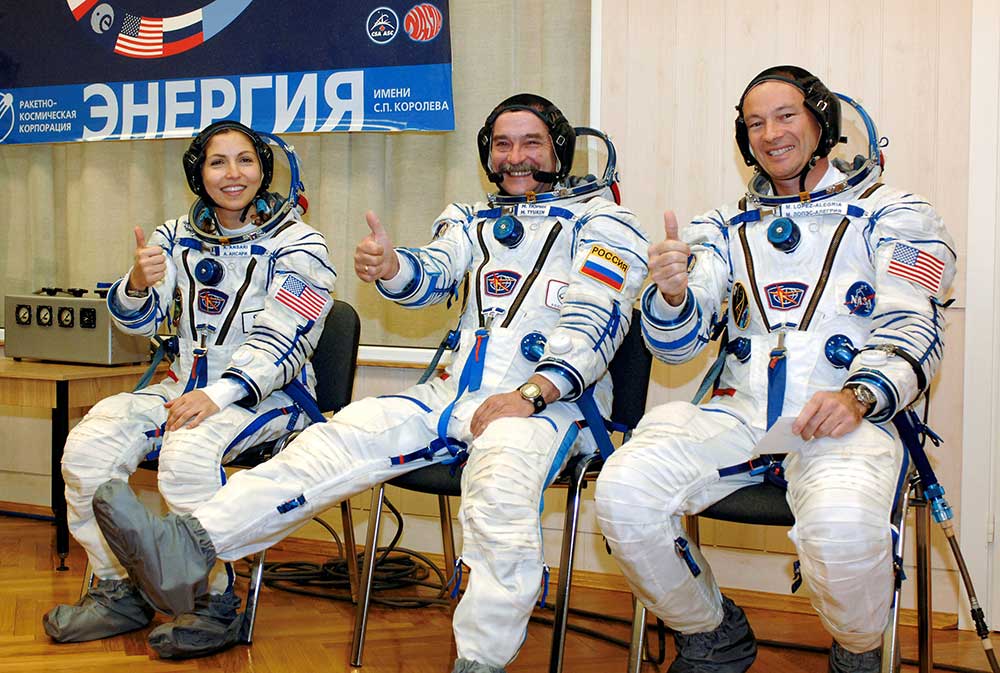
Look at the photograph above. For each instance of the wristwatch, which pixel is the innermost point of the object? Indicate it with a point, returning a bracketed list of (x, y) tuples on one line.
[(864, 395), (532, 392)]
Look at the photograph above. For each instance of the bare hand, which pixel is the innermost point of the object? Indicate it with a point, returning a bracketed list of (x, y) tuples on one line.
[(668, 262), (501, 405), (150, 263), (189, 409), (829, 414), (374, 257), (510, 405)]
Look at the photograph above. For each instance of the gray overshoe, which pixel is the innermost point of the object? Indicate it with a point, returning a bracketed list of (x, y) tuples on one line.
[(213, 626), (729, 648), (108, 609), (169, 558), (467, 666), (842, 661)]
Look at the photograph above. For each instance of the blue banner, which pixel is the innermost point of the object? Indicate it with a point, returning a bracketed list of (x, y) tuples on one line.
[(93, 70)]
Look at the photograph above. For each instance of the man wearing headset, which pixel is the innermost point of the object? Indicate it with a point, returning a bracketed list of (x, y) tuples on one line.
[(554, 269), (832, 285), (251, 283)]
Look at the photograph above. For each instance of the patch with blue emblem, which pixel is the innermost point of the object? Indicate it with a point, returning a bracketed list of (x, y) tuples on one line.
[(740, 304), (860, 299), (501, 283), (785, 296), (211, 301)]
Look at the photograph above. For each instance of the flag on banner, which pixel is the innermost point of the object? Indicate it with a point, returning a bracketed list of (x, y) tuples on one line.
[(140, 37), (913, 264), (301, 298), (145, 37)]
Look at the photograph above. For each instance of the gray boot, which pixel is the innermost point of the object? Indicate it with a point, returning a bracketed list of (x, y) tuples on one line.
[(214, 625), (169, 558), (110, 608), (729, 648), (842, 661), (467, 666)]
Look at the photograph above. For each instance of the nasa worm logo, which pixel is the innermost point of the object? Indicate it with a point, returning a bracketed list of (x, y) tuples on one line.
[(423, 22)]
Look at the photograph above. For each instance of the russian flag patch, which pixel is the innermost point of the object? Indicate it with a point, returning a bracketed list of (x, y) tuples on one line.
[(605, 266)]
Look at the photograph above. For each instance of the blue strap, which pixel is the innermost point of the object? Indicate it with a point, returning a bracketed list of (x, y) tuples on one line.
[(545, 585), (710, 377), (775, 385), (471, 379), (595, 422), (683, 550), (304, 399), (199, 371)]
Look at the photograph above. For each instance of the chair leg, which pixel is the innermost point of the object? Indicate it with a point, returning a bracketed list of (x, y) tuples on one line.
[(367, 576), (447, 541), (566, 557), (253, 598), (350, 549), (638, 642), (925, 650), (88, 579), (891, 658)]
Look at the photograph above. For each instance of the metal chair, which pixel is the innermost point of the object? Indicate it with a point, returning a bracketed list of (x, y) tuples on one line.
[(765, 504), (335, 363), (630, 375)]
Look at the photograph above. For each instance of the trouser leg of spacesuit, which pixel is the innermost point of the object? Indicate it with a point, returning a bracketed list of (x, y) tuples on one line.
[(170, 557), (668, 469), (325, 464), (108, 443), (509, 465), (190, 472), (190, 469), (841, 493)]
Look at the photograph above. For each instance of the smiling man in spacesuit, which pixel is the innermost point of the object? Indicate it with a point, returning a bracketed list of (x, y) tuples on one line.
[(252, 283), (554, 270), (834, 284)]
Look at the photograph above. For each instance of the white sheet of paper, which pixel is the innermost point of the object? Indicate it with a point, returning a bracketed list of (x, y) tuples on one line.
[(780, 438)]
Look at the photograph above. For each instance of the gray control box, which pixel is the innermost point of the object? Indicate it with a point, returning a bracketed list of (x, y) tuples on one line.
[(68, 329)]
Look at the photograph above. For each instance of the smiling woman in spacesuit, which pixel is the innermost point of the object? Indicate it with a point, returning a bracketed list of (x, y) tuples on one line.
[(252, 283)]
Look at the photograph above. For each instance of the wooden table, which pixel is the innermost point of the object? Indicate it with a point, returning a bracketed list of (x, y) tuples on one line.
[(61, 387)]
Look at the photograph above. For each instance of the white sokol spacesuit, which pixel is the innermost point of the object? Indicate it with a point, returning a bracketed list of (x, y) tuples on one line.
[(864, 271), (568, 284), (245, 330)]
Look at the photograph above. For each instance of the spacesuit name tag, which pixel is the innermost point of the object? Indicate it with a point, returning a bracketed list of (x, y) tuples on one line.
[(813, 209), (235, 250), (532, 210)]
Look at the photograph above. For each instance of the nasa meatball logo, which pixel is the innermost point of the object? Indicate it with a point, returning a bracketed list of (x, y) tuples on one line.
[(382, 25), (860, 299), (423, 22), (6, 114)]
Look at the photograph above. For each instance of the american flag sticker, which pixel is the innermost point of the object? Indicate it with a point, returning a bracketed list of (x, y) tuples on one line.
[(605, 266), (301, 298), (914, 264)]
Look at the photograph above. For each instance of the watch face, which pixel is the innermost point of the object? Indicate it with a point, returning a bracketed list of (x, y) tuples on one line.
[(529, 390)]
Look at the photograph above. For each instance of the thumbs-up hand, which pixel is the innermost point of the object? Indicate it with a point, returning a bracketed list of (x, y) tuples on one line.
[(668, 262), (150, 264), (374, 257)]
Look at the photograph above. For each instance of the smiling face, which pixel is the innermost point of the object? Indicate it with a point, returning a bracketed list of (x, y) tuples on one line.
[(521, 145), (783, 134), (232, 175)]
